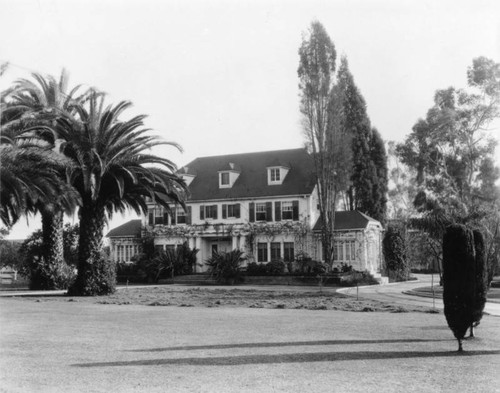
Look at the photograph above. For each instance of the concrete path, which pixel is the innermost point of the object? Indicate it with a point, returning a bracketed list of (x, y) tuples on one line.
[(395, 293)]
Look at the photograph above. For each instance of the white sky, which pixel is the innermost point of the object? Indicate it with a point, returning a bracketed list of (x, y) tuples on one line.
[(220, 77)]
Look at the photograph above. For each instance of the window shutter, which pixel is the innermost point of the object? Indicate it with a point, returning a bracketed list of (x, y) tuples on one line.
[(165, 218), (151, 218), (269, 211), (224, 211), (252, 212), (277, 211), (202, 212), (173, 217), (188, 215), (237, 210), (295, 206), (215, 210)]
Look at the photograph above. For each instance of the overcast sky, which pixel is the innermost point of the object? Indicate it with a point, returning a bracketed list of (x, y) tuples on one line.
[(220, 77)]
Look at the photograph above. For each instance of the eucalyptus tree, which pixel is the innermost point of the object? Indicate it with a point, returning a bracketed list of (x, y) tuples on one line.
[(113, 170), (31, 108)]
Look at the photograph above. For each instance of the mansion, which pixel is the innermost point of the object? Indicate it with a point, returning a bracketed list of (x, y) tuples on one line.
[(263, 203)]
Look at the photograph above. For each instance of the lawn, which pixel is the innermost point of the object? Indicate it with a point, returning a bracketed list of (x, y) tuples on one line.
[(75, 345), (186, 296)]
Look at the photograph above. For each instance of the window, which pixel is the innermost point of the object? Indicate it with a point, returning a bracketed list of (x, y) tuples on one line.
[(353, 250), (275, 175), (151, 216), (158, 215), (208, 212), (181, 216), (261, 252), (224, 179), (287, 210), (260, 212), (275, 251), (231, 211), (289, 252), (338, 251), (159, 248)]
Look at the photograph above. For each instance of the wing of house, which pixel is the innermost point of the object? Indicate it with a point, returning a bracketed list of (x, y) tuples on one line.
[(264, 203)]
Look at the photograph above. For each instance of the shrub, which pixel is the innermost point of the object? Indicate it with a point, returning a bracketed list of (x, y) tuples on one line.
[(172, 262), (98, 279), (355, 278), (226, 266), (394, 247), (459, 279), (256, 269), (275, 268), (40, 274)]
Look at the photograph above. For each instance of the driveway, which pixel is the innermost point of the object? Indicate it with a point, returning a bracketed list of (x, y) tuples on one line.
[(397, 293)]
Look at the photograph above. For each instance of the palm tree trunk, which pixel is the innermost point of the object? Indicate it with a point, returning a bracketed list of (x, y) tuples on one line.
[(96, 275), (52, 250)]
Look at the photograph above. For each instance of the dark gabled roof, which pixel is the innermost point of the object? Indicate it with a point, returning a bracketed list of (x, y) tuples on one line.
[(347, 220), (252, 181), (129, 229)]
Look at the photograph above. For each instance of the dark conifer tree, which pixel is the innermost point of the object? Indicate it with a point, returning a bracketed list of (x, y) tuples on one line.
[(481, 280), (459, 262), (378, 208)]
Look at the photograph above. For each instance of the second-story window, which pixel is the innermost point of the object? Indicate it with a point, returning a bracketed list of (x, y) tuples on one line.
[(208, 212), (181, 216), (231, 211), (287, 210), (260, 212)]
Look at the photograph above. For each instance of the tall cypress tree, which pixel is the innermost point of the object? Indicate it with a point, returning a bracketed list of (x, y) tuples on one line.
[(378, 208), (368, 154)]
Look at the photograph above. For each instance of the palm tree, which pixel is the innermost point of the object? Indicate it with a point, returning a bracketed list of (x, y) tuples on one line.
[(30, 112), (113, 171), (30, 177)]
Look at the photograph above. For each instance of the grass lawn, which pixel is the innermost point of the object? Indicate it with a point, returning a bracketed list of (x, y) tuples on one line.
[(106, 344)]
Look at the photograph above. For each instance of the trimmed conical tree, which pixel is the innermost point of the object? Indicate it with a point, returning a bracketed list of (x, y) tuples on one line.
[(481, 280), (459, 261)]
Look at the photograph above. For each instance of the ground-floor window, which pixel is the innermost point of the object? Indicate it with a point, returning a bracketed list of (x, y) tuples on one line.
[(289, 251), (125, 252), (261, 252), (275, 251), (344, 251)]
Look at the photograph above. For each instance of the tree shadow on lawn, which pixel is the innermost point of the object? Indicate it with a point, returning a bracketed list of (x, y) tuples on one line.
[(287, 358), (281, 344)]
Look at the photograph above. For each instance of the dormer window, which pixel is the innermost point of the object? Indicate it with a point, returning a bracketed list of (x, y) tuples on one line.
[(276, 175), (224, 179), (228, 175)]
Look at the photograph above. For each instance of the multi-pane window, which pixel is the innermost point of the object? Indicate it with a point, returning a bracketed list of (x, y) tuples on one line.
[(287, 210), (208, 212), (158, 212), (181, 216), (289, 251), (261, 252), (344, 251), (260, 212), (224, 179), (275, 251), (275, 175), (233, 210)]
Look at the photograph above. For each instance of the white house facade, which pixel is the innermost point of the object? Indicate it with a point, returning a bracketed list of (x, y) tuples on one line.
[(264, 204)]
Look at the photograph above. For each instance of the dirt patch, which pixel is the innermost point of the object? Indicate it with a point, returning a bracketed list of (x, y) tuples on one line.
[(235, 297)]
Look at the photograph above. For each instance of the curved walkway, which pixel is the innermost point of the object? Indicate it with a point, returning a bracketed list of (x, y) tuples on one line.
[(398, 293)]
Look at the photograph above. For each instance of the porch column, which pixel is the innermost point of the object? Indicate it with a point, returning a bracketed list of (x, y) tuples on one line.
[(235, 243), (243, 243)]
